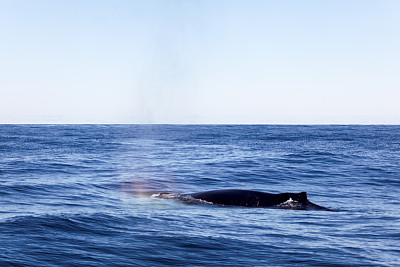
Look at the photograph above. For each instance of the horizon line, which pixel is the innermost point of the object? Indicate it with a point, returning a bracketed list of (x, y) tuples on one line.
[(211, 124)]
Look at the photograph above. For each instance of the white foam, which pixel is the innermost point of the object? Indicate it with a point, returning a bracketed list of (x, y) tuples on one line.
[(164, 195), (290, 203)]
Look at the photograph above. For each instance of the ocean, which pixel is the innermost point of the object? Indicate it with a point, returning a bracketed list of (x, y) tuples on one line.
[(82, 195)]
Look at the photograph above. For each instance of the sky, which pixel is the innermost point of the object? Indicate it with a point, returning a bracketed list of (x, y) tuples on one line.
[(200, 61)]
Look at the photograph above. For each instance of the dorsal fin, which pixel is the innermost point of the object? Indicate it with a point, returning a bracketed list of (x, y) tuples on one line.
[(303, 197)]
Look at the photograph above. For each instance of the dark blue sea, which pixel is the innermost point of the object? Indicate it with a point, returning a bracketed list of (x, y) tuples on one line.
[(81, 195)]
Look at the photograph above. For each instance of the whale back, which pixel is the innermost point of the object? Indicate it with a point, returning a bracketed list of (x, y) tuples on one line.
[(249, 198)]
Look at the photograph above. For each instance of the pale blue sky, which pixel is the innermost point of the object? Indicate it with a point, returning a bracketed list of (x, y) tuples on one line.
[(215, 61)]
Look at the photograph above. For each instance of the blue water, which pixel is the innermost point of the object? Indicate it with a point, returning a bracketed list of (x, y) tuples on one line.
[(80, 195)]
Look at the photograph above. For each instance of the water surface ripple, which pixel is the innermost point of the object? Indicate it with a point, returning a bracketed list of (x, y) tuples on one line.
[(79, 195)]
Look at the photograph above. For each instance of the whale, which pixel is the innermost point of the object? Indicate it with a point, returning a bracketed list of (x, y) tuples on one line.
[(250, 198)]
